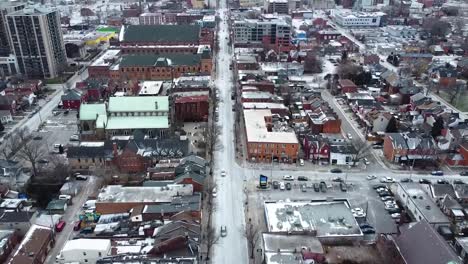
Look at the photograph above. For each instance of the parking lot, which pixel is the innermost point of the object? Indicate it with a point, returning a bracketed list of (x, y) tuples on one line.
[(359, 194)]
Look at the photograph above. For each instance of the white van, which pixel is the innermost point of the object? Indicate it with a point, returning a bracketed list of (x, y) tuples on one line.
[(301, 162)]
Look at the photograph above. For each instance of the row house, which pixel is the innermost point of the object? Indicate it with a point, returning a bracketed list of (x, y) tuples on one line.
[(316, 148), (323, 121), (409, 147), (34, 247)]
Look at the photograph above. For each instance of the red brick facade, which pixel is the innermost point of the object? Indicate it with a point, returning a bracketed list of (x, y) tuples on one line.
[(192, 108)]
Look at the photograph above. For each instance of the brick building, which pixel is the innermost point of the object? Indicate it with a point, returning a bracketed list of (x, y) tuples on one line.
[(191, 108), (142, 35), (114, 199), (265, 141), (72, 99), (347, 86), (35, 246)]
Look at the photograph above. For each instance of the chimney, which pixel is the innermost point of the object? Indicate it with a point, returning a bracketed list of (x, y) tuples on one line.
[(114, 149)]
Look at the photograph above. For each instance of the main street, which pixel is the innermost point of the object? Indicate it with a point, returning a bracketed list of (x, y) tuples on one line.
[(230, 200)]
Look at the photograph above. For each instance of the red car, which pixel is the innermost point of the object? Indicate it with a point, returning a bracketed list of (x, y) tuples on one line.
[(59, 226)]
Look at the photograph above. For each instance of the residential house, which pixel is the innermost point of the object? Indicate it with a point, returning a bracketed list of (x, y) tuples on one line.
[(8, 241), (377, 121), (405, 147), (316, 148), (34, 247), (346, 86), (19, 221), (181, 236), (324, 122), (455, 212), (89, 157), (460, 158), (190, 204), (72, 99), (94, 90), (447, 76)]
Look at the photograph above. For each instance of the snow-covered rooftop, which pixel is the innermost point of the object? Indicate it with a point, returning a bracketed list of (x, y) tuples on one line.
[(120, 194), (257, 130), (106, 58), (84, 244), (325, 218)]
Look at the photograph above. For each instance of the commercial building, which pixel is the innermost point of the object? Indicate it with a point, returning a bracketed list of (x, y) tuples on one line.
[(276, 6), (84, 250), (420, 205), (37, 41), (124, 115), (326, 220), (8, 65), (270, 32), (348, 18), (267, 141), (191, 108), (115, 199), (160, 35)]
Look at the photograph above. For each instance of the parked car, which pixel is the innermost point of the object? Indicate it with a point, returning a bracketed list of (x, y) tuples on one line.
[(303, 188), (358, 212), (275, 185), (437, 173), (223, 173), (316, 187), (371, 177), (81, 177), (302, 178), (66, 112), (424, 181), (74, 138), (223, 231), (366, 161), (387, 198), (323, 186), (37, 138), (378, 186), (442, 181), (60, 226), (343, 187), (288, 178), (406, 180), (350, 136), (368, 230), (464, 173), (87, 230), (395, 215), (384, 193), (42, 161), (65, 197), (336, 170), (337, 179), (282, 186), (214, 192), (458, 182), (288, 186), (301, 162), (77, 225), (377, 147)]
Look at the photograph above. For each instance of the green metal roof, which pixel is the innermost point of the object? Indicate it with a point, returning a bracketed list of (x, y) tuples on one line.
[(108, 29), (91, 111), (137, 122), (139, 104), (151, 60), (162, 33)]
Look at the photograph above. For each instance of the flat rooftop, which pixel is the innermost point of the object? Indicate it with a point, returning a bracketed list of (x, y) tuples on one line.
[(106, 59), (327, 219), (121, 194), (424, 203), (290, 243), (257, 131), (150, 87)]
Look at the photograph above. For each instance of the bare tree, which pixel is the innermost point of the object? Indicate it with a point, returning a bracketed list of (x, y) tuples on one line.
[(312, 63), (362, 150), (211, 239), (59, 169), (252, 235), (20, 145), (211, 135)]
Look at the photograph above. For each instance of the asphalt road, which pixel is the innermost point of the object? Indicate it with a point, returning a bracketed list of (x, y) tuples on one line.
[(230, 199)]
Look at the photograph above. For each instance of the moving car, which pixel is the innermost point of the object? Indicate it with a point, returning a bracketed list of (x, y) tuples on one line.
[(387, 180), (437, 173), (302, 178), (301, 162), (336, 170), (214, 192), (223, 231), (288, 178), (223, 173)]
